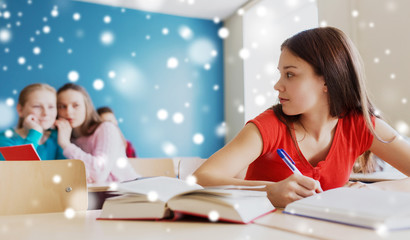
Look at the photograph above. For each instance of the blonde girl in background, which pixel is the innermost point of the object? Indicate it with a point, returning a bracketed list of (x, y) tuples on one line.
[(37, 112)]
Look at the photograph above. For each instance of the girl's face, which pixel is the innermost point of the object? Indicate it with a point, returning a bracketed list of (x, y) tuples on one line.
[(42, 104), (71, 106), (301, 90)]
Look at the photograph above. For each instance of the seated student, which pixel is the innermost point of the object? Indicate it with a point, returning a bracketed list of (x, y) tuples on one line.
[(106, 114), (83, 135), (37, 112), (324, 121)]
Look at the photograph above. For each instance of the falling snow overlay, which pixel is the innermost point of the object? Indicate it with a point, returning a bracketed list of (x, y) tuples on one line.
[(141, 71), (176, 64)]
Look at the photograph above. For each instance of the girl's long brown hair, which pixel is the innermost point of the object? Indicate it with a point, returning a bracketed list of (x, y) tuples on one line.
[(333, 55), (92, 119)]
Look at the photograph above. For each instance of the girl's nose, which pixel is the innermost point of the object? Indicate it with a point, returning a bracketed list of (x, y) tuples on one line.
[(278, 86), (44, 111), (69, 109)]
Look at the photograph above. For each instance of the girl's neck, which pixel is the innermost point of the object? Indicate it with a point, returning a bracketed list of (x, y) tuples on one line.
[(22, 132), (317, 125), (77, 132)]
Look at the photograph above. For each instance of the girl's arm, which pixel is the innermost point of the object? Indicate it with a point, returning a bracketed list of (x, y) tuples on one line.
[(33, 137), (106, 157), (396, 153), (222, 167), (34, 131), (34, 134)]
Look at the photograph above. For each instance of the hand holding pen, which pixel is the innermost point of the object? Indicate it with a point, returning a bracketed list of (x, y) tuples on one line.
[(291, 164)]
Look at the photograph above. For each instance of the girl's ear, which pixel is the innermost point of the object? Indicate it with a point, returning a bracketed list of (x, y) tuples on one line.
[(324, 84), (19, 110)]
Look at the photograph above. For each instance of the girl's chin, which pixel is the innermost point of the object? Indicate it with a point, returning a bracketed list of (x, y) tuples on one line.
[(73, 125), (289, 112)]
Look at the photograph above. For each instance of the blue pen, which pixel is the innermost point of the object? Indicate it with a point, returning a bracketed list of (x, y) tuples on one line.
[(288, 160)]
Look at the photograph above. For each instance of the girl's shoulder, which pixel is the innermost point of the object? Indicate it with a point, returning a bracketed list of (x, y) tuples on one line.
[(105, 126), (268, 124), (266, 117), (9, 133), (10, 137), (356, 119)]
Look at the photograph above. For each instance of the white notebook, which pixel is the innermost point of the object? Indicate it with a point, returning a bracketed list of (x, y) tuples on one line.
[(369, 208)]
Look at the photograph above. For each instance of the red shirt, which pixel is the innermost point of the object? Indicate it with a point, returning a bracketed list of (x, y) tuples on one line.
[(351, 139)]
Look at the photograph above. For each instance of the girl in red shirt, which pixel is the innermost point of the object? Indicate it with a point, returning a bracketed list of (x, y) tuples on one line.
[(324, 121)]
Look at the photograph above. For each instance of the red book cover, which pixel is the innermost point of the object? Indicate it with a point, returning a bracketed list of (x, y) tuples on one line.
[(24, 152)]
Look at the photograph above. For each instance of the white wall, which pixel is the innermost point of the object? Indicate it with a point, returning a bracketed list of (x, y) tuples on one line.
[(260, 31), (380, 31), (233, 74), (266, 25)]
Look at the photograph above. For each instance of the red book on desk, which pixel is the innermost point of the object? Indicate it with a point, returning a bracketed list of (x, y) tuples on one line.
[(24, 152)]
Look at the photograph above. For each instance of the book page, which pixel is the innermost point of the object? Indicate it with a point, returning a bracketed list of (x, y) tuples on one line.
[(230, 192), (164, 187)]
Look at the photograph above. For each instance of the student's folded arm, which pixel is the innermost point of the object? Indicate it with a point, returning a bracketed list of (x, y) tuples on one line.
[(107, 149), (222, 167), (395, 151), (33, 137), (96, 165)]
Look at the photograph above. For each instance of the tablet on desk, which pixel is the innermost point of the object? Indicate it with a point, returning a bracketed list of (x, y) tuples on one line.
[(25, 152)]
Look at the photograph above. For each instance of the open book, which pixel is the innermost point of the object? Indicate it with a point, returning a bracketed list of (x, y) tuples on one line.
[(23, 152), (369, 208), (165, 197)]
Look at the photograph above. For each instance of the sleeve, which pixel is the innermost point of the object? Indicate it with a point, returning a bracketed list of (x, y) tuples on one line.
[(58, 150), (268, 126), (108, 147), (59, 154), (7, 141), (33, 137), (364, 137)]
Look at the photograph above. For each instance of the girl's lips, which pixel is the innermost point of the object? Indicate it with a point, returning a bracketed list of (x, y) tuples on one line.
[(282, 100)]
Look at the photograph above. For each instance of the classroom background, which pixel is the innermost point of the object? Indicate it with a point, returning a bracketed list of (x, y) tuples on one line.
[(184, 86), (161, 74)]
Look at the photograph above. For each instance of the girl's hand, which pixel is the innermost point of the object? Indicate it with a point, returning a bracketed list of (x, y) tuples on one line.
[(64, 132), (31, 122), (291, 189)]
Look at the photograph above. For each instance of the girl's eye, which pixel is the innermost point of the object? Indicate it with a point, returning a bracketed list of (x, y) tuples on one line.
[(60, 107), (288, 75)]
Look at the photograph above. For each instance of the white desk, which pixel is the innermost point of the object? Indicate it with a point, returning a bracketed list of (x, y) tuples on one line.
[(85, 226), (273, 226)]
